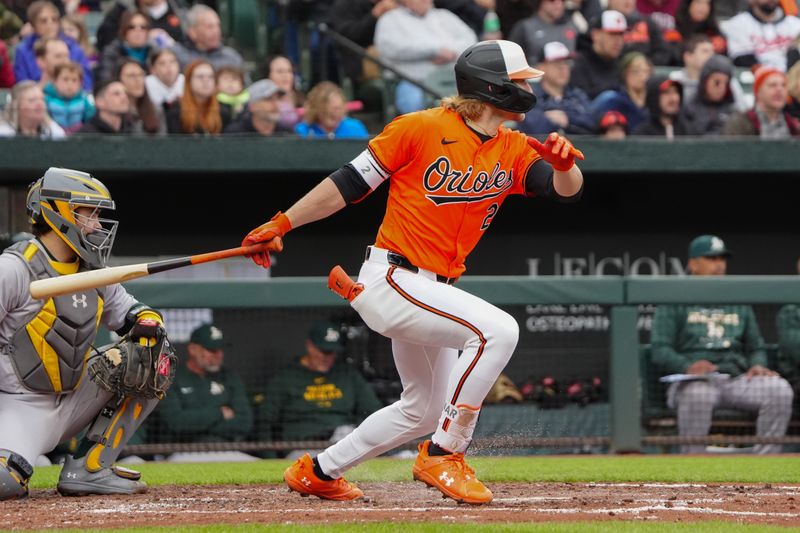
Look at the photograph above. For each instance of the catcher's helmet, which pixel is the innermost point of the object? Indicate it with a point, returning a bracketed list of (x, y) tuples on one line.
[(52, 200), (487, 70)]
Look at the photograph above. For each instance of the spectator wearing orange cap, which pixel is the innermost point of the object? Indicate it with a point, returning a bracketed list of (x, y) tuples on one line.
[(613, 125), (768, 119)]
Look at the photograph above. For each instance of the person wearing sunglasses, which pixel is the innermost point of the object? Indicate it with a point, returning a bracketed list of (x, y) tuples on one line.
[(132, 42)]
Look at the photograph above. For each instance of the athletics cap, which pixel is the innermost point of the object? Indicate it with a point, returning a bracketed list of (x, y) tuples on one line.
[(209, 337), (708, 246), (327, 337)]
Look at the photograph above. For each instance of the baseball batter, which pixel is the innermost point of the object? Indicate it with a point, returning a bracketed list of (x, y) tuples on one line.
[(53, 383), (449, 171)]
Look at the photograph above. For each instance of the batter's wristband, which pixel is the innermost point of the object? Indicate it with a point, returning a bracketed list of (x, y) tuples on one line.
[(283, 222)]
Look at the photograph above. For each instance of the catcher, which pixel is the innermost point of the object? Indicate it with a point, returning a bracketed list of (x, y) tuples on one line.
[(53, 382)]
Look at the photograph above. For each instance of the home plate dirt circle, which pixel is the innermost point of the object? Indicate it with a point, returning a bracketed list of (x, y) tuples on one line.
[(777, 504)]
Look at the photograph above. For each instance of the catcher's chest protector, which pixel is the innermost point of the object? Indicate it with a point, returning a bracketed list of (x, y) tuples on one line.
[(49, 352)]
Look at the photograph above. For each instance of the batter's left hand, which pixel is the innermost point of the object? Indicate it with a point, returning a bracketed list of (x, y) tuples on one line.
[(557, 151), (271, 232)]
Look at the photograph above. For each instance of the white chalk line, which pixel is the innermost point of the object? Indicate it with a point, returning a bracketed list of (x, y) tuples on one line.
[(161, 508), (674, 508)]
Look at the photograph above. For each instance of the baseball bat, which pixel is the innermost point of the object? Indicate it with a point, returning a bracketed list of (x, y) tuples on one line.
[(91, 279)]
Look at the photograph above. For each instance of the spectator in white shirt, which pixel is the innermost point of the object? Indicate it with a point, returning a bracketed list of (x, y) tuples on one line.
[(761, 35), (418, 39)]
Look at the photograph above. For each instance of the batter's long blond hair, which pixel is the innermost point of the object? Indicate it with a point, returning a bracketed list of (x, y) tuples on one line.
[(468, 108)]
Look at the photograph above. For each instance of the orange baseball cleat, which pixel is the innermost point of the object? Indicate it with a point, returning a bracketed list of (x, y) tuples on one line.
[(340, 283), (301, 478), (451, 475)]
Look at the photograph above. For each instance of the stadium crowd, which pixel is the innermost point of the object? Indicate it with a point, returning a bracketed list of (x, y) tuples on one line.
[(613, 67)]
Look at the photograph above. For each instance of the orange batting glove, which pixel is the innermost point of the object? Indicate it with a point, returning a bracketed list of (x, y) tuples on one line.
[(557, 151), (276, 228)]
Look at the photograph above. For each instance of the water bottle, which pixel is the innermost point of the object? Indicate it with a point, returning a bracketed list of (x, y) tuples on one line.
[(491, 26)]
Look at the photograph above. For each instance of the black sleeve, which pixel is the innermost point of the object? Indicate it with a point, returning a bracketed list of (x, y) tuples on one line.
[(539, 182), (173, 118), (109, 27), (351, 185), (792, 57), (467, 10), (746, 60)]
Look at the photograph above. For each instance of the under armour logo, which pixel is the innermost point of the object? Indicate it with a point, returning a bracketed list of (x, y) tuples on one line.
[(447, 479), (81, 301), (72, 475), (305, 481)]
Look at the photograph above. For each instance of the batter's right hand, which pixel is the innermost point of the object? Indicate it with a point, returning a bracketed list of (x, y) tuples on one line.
[(557, 151), (278, 226)]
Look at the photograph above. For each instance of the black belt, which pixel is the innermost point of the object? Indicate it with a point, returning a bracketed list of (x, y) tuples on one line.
[(393, 258)]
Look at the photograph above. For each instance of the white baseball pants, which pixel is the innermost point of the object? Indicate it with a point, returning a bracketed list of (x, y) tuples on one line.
[(429, 322)]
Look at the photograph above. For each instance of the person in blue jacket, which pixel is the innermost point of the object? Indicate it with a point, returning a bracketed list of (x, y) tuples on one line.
[(326, 115), (46, 22)]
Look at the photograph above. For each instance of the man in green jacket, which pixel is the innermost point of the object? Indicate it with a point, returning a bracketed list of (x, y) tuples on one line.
[(317, 397), (702, 339), (208, 402)]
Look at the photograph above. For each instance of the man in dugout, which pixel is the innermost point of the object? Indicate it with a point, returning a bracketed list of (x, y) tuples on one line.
[(721, 345)]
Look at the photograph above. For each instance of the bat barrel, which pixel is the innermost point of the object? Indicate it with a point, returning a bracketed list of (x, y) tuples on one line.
[(73, 283)]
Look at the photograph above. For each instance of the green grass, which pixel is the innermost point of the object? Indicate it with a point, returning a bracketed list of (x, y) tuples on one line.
[(549, 527), (666, 469)]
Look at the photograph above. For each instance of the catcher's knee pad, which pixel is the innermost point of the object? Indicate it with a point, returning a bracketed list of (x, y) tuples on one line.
[(114, 427), (15, 472)]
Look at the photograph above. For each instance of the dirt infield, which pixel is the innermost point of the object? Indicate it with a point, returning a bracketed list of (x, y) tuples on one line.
[(777, 504)]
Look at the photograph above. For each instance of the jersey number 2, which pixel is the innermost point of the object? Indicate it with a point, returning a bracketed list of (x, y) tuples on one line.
[(491, 211)]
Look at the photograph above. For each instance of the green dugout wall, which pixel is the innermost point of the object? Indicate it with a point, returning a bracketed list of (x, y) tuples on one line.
[(621, 295)]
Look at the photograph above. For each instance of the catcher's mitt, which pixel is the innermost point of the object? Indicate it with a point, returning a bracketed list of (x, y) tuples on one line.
[(132, 369)]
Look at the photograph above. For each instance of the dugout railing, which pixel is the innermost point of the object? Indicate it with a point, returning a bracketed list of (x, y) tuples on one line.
[(621, 298)]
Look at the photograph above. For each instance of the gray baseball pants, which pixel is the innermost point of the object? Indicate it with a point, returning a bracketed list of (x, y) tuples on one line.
[(770, 397)]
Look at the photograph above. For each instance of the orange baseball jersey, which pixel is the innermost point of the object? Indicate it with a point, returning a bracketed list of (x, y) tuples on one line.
[(445, 185)]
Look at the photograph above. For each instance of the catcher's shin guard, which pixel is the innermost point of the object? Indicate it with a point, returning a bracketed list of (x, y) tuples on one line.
[(15, 472), (114, 427)]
